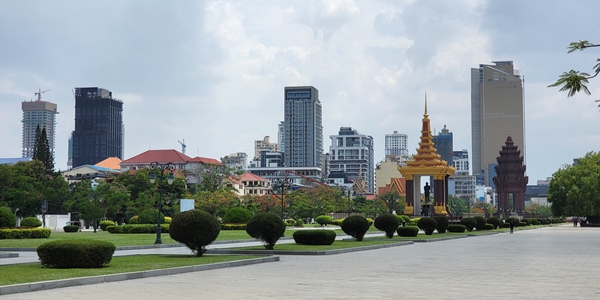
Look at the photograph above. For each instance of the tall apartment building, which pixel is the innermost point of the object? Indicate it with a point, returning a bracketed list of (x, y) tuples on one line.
[(264, 145), (303, 127), (98, 132), (460, 161), (36, 113), (497, 111), (443, 143), (281, 136), (352, 153), (396, 144)]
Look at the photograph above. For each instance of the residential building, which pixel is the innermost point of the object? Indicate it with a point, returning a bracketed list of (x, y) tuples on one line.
[(255, 185), (396, 145), (238, 160), (303, 133), (36, 113), (352, 152), (264, 144), (497, 111), (98, 130), (281, 136), (462, 186), (443, 143), (460, 161)]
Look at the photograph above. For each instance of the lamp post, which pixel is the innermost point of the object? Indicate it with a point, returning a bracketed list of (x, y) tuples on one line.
[(161, 168), (94, 184), (282, 183)]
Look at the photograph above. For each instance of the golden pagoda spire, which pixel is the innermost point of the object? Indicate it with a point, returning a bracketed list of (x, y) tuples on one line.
[(425, 105)]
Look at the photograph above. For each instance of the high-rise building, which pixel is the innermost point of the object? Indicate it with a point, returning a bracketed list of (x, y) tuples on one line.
[(497, 111), (352, 153), (36, 113), (460, 161), (264, 145), (443, 143), (396, 144), (281, 136), (98, 132), (303, 127)]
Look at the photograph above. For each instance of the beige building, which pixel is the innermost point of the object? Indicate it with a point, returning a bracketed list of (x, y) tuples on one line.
[(384, 172), (264, 144), (497, 111)]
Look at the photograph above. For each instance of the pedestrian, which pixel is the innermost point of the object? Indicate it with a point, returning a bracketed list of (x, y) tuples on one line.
[(512, 226), (575, 222)]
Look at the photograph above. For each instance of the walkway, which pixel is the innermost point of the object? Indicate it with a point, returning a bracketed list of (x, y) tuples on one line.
[(549, 263)]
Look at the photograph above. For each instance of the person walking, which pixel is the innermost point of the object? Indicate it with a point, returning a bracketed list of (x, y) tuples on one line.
[(512, 226)]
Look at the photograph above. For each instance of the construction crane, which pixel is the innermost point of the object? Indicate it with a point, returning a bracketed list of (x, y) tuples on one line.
[(183, 145), (39, 94)]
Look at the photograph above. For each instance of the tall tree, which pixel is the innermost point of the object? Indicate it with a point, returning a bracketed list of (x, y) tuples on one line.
[(393, 201), (576, 81), (458, 206), (41, 150)]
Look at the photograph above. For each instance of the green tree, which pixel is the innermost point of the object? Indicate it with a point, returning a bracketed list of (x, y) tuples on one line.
[(41, 150), (216, 202), (573, 190), (458, 206), (313, 202), (576, 81), (212, 177), (393, 201)]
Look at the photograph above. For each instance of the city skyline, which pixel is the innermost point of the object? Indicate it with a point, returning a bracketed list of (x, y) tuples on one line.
[(212, 72)]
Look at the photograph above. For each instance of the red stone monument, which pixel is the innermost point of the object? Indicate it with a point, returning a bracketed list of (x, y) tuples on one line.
[(510, 180)]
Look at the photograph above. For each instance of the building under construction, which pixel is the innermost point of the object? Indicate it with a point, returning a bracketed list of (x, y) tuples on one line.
[(36, 113)]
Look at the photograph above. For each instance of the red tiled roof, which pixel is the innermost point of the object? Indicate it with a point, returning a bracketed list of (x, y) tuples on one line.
[(204, 160), (161, 156), (251, 177)]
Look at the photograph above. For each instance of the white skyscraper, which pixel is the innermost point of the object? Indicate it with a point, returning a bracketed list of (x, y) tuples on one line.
[(352, 153)]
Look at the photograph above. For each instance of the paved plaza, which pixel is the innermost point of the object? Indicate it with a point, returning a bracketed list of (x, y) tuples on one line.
[(549, 263)]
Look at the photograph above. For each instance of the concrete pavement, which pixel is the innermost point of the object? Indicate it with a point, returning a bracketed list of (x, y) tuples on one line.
[(549, 263)]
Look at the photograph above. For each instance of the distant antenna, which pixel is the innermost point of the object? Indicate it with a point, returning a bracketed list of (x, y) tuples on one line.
[(183, 145), (39, 94)]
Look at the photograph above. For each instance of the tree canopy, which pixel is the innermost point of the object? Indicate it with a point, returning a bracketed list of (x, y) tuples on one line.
[(573, 190), (42, 151)]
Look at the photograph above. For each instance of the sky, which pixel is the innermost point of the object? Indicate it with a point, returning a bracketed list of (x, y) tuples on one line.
[(212, 73)]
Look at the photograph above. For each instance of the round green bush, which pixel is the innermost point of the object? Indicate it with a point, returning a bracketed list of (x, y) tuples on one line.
[(480, 222), (71, 228), (324, 220), (533, 221), (133, 220), (522, 224), (488, 227), (195, 228), (442, 224), (387, 223), (7, 218), (267, 227), (237, 215), (299, 223), (150, 216), (314, 237), (356, 226), (515, 221), (494, 221), (290, 222), (76, 253), (31, 222), (409, 231), (404, 218), (105, 223), (457, 228), (427, 224), (469, 223), (526, 221)]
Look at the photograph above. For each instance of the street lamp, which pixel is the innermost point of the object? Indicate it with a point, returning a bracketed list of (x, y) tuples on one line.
[(161, 168), (282, 184), (94, 184)]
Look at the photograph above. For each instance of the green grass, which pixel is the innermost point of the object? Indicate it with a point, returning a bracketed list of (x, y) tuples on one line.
[(34, 272)]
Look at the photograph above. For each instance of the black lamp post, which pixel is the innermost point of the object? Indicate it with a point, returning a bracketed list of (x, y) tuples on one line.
[(282, 184), (161, 168), (94, 184)]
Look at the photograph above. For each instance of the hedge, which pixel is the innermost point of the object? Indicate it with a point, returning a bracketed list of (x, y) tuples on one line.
[(488, 227), (76, 253), (26, 233), (71, 228), (137, 228), (105, 223), (31, 222), (233, 226), (408, 231), (314, 237), (457, 228)]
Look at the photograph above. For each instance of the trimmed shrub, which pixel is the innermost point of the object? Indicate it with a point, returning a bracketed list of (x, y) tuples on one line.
[(71, 228), (494, 221), (314, 237), (427, 224), (239, 215), (370, 221), (31, 222), (233, 226), (457, 228), (114, 229), (25, 233), (356, 226), (133, 220), (533, 221), (77, 253), (267, 227), (469, 223), (324, 220), (505, 225), (442, 224), (195, 228), (337, 222), (480, 222), (522, 224), (168, 220), (106, 223), (404, 218), (413, 222), (142, 228), (514, 220), (299, 223), (408, 231), (526, 221), (488, 226), (388, 223), (150, 216), (7, 218), (290, 222)]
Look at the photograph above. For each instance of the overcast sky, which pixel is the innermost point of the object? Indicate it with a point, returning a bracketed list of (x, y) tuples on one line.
[(213, 72)]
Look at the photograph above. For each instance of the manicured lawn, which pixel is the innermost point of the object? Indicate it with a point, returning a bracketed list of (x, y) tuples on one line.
[(23, 273)]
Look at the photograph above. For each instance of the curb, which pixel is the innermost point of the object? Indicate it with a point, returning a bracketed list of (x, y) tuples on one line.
[(307, 252), (8, 254), (46, 285)]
